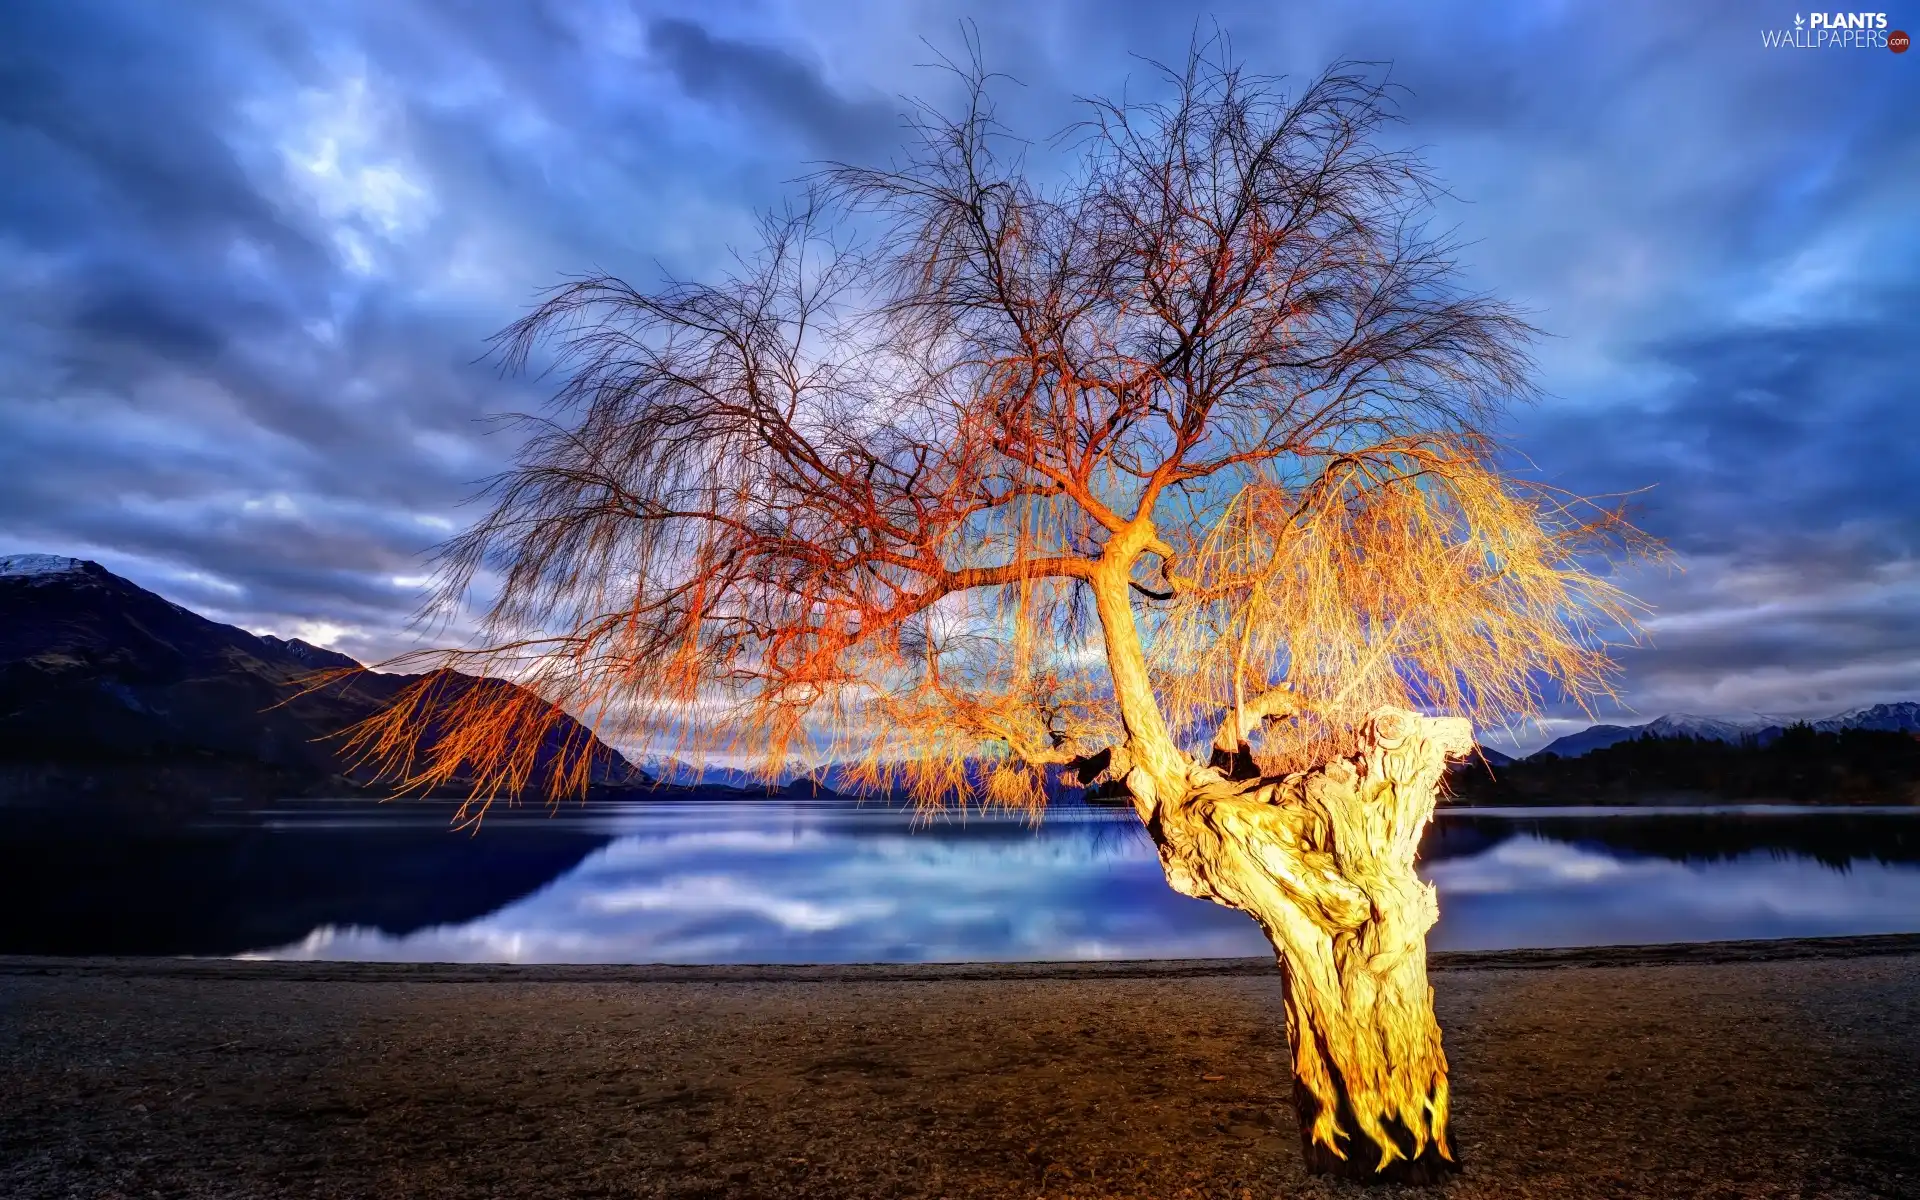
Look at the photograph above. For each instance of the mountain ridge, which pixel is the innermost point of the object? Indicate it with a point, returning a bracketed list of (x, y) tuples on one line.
[(107, 687), (102, 680), (1898, 716)]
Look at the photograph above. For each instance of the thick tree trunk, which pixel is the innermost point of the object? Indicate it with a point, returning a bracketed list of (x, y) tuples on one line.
[(1324, 861)]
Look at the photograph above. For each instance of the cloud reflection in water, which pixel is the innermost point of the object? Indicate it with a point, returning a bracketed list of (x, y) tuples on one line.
[(818, 883), (1530, 891)]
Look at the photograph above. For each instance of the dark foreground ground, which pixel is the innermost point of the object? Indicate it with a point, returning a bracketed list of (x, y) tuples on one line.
[(1756, 1069)]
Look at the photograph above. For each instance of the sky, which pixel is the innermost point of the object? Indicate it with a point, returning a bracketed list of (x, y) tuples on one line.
[(250, 256)]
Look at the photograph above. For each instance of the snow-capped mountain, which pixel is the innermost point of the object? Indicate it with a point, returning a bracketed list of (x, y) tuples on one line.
[(676, 772), (1720, 729), (40, 566), (1903, 716)]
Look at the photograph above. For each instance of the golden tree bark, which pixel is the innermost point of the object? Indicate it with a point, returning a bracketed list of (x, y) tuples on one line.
[(1323, 860)]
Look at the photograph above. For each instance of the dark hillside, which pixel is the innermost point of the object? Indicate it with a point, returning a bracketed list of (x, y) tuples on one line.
[(1801, 765), (111, 691)]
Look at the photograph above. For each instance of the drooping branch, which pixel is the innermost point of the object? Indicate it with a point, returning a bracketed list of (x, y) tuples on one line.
[(867, 491)]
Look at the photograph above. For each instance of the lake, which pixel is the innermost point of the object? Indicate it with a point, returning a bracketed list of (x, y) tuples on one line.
[(778, 881)]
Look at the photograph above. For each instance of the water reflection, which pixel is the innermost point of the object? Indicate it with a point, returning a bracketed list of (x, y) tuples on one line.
[(824, 884), (728, 883), (1529, 891), (225, 886), (815, 882)]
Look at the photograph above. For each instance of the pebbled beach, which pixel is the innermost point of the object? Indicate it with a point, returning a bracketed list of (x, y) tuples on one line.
[(1759, 1069)]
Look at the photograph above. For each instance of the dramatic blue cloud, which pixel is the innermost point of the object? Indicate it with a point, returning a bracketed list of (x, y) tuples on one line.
[(250, 257)]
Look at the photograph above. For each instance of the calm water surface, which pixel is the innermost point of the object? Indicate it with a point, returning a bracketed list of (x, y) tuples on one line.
[(819, 882)]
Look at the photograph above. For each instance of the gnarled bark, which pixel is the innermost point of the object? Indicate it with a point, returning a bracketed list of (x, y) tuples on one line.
[(1323, 860)]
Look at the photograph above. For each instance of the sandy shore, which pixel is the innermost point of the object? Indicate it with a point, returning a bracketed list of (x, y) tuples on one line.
[(1732, 1070)]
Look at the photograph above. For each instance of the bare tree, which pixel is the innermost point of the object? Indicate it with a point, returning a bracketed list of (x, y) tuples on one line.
[(1175, 471)]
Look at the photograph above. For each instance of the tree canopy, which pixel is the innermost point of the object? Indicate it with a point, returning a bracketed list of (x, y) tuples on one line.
[(1193, 443)]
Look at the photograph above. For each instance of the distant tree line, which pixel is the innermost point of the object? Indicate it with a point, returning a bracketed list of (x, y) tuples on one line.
[(1799, 764)]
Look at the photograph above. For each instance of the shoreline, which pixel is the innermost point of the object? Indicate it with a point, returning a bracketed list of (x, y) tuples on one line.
[(1090, 970), (1775, 1070)]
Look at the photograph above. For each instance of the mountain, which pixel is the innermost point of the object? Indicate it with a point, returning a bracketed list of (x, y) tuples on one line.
[(1593, 737), (1800, 765), (108, 688), (1492, 757), (1719, 729), (833, 780), (1902, 717), (793, 781), (675, 772), (1899, 717), (318, 657)]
